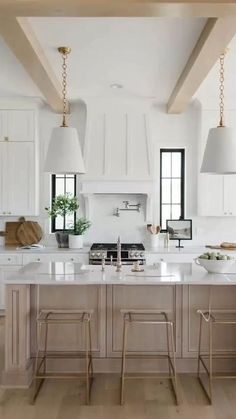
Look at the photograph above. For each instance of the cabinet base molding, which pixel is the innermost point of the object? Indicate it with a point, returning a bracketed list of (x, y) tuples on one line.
[(17, 378)]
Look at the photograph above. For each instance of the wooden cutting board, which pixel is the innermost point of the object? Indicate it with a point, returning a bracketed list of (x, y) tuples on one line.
[(219, 247), (29, 232), (22, 233), (10, 233)]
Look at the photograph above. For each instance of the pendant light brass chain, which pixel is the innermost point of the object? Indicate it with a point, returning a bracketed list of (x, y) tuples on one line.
[(64, 51), (222, 80), (64, 85)]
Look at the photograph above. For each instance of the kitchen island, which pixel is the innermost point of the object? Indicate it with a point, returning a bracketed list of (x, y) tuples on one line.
[(179, 289)]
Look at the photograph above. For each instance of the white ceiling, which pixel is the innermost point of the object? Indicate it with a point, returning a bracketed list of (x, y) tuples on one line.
[(145, 55)]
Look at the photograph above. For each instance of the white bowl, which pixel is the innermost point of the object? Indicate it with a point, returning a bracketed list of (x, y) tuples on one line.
[(215, 266)]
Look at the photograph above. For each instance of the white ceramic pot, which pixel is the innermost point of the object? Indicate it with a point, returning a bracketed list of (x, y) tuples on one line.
[(154, 240), (75, 242), (215, 266)]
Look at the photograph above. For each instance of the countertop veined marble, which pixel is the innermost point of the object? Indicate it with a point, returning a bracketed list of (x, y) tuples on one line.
[(69, 273), (85, 250)]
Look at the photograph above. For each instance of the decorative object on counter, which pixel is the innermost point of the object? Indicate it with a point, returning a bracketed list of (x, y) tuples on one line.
[(154, 230), (215, 262), (22, 232), (128, 207), (119, 262), (220, 152), (137, 267), (63, 205), (76, 235), (179, 230), (64, 153)]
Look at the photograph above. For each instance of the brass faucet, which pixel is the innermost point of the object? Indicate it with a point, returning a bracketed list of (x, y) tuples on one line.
[(118, 263)]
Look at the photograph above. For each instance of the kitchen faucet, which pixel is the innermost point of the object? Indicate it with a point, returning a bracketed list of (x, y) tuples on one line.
[(118, 263)]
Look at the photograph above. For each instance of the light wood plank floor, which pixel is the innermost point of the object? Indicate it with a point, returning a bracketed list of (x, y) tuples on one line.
[(145, 399)]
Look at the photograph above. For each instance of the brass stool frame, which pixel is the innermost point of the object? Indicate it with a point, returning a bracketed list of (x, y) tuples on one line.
[(210, 319), (129, 318), (49, 317)]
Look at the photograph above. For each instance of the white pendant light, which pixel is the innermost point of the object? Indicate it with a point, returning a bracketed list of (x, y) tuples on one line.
[(220, 152), (64, 154)]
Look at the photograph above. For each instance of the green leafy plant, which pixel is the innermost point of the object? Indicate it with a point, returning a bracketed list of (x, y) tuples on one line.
[(63, 205), (81, 225)]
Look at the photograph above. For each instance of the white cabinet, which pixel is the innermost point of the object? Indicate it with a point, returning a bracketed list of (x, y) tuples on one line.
[(18, 166), (18, 181), (9, 264), (217, 195), (56, 257), (17, 125), (152, 258)]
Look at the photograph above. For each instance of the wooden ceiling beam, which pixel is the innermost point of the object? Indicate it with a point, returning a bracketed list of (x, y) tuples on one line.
[(21, 39), (213, 41), (116, 8)]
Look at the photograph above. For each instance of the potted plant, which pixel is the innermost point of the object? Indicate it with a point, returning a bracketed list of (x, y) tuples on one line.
[(63, 205), (76, 235)]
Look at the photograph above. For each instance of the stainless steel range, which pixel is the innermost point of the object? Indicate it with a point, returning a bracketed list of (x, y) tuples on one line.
[(130, 253)]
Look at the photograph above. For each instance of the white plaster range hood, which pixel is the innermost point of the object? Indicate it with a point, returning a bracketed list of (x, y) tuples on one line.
[(118, 151)]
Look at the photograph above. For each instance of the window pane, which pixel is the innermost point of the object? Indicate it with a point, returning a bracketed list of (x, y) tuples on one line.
[(166, 211), (176, 212), (166, 191), (176, 164), (59, 223), (59, 186), (166, 164), (70, 184), (176, 191)]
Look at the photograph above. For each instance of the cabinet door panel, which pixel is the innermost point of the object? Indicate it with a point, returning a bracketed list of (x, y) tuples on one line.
[(229, 195), (3, 125), (20, 179), (20, 125), (142, 339), (211, 195)]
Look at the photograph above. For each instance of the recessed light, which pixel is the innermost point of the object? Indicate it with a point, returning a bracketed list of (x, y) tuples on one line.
[(116, 86)]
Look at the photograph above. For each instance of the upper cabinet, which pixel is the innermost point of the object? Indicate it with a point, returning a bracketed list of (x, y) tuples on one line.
[(17, 125), (18, 164)]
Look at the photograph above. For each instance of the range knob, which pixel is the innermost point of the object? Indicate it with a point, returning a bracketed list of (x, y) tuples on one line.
[(131, 254), (137, 254), (98, 254), (93, 254), (103, 255), (142, 255)]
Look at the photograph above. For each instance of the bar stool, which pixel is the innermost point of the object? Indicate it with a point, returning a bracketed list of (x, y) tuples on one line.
[(62, 317), (155, 317), (212, 318)]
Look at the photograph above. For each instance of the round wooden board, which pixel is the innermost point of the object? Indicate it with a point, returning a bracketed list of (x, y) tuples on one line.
[(29, 232)]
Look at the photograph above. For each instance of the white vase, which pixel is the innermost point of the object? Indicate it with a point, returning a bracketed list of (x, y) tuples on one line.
[(154, 240), (75, 242)]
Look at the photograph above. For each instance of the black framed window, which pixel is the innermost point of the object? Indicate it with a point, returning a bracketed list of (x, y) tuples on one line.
[(172, 179), (62, 184)]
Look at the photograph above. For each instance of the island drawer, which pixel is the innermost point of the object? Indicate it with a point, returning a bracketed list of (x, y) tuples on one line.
[(10, 259), (56, 257)]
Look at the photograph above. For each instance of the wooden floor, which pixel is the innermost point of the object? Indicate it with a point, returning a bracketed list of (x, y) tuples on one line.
[(144, 399)]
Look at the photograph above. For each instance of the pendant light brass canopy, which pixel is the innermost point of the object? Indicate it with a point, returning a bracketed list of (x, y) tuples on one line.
[(64, 154), (220, 152)]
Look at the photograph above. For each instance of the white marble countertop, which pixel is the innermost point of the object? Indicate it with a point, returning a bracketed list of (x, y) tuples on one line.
[(68, 273), (195, 250)]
